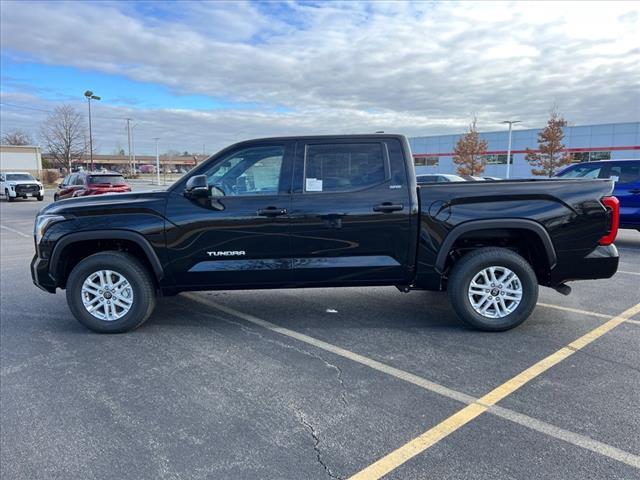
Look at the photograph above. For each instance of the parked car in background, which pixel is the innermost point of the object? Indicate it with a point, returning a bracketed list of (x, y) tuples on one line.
[(20, 185), (438, 178), (83, 184), (626, 175)]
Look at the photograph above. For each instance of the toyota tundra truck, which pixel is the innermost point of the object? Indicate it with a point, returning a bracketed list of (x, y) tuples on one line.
[(326, 211)]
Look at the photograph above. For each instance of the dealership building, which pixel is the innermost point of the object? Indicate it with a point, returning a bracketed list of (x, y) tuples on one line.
[(584, 143)]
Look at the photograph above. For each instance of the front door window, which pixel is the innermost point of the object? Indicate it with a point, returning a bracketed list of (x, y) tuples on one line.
[(252, 171)]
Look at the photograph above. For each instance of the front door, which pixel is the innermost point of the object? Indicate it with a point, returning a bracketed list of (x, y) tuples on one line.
[(240, 237), (350, 213), (68, 186)]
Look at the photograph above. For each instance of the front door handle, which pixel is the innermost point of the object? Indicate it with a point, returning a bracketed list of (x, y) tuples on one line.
[(272, 211), (635, 190), (388, 207)]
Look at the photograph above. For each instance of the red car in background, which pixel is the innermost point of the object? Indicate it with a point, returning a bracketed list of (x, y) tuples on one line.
[(82, 184)]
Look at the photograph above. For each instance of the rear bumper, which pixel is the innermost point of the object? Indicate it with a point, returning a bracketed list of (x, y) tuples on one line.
[(40, 274), (602, 262)]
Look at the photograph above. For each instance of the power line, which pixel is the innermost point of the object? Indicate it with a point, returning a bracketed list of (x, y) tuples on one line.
[(52, 111)]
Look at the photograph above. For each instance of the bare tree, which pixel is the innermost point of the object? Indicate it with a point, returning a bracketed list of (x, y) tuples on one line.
[(17, 137), (468, 151), (552, 155), (63, 136)]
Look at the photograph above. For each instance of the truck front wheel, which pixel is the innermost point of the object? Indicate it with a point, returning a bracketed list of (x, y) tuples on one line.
[(493, 289), (110, 292)]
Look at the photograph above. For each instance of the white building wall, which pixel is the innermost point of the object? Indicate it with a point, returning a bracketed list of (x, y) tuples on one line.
[(20, 158)]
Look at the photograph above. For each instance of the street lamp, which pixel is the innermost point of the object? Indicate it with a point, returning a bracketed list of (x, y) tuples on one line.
[(510, 122), (90, 96)]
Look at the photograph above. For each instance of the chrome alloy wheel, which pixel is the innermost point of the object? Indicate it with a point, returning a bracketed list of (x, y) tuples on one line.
[(107, 295), (495, 292)]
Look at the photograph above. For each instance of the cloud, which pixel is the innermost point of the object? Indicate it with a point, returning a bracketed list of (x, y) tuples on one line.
[(409, 67)]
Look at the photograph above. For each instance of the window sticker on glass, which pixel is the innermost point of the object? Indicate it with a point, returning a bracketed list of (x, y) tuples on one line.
[(314, 185)]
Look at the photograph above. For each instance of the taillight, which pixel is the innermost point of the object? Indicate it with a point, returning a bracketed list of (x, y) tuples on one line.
[(612, 204)]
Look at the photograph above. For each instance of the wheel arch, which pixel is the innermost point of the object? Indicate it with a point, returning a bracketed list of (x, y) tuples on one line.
[(65, 253), (467, 228)]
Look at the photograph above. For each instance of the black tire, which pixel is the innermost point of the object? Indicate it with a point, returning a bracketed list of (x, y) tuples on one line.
[(472, 264), (55, 197), (144, 292), (40, 198), (9, 198)]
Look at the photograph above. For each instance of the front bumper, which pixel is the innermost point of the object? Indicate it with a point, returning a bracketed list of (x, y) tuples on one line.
[(40, 274), (601, 262), (26, 190)]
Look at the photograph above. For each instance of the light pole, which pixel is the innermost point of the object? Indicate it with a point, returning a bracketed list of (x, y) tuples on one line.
[(510, 122), (157, 161), (90, 96)]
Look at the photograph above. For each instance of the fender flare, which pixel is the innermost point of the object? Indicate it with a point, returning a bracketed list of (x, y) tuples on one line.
[(502, 223), (135, 237)]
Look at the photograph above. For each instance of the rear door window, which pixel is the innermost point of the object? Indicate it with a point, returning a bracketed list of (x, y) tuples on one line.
[(623, 173), (344, 167)]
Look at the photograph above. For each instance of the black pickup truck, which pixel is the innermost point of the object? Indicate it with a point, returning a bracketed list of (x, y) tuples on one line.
[(326, 211)]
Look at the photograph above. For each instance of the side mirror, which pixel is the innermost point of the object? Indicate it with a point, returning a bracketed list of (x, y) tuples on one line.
[(197, 187)]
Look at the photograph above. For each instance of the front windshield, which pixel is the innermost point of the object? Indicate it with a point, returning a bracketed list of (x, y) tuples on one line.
[(586, 171), (19, 176)]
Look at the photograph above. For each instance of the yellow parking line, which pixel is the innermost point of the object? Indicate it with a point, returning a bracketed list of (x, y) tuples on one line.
[(418, 445)]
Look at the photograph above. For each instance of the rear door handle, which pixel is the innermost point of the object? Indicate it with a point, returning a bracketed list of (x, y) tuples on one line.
[(271, 211), (635, 190), (388, 207)]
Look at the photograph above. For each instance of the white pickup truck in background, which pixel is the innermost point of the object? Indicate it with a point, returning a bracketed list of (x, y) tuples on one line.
[(20, 185)]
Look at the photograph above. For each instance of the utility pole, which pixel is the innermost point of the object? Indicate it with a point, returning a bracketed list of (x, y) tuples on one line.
[(129, 141), (510, 122), (157, 161), (90, 96), (133, 147)]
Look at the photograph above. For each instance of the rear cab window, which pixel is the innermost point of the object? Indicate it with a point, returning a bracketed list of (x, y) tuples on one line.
[(107, 179)]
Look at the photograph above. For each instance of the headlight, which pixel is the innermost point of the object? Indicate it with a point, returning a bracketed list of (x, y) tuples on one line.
[(42, 223)]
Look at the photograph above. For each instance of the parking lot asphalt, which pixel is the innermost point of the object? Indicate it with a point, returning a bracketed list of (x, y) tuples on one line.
[(317, 383)]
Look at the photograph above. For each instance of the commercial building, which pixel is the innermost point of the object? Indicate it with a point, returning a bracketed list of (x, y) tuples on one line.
[(585, 143), (21, 158), (121, 163)]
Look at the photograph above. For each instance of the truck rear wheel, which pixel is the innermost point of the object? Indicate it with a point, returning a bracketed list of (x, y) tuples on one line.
[(110, 292), (493, 289)]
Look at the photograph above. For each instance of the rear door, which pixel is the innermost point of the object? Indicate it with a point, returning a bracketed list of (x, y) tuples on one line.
[(240, 239), (350, 212)]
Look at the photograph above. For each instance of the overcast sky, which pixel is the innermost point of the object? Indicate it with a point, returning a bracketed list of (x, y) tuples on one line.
[(197, 73)]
